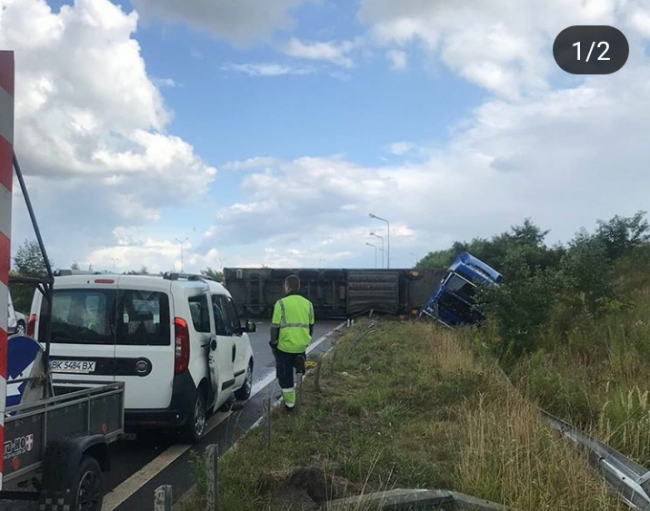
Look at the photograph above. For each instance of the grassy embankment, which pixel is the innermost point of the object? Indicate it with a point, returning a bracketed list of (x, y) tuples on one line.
[(597, 375), (409, 406)]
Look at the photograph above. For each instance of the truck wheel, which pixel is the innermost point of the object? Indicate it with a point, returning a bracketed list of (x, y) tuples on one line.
[(88, 492), (244, 393), (195, 426)]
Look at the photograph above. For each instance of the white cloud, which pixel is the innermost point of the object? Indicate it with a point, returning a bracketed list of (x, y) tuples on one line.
[(238, 21), (564, 158), (504, 45), (400, 148), (258, 162), (337, 53), (165, 82), (90, 124), (267, 69), (398, 60)]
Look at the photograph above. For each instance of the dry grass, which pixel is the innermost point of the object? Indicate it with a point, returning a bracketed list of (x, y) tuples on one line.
[(413, 406)]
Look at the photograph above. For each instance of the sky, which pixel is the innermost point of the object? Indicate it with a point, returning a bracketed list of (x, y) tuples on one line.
[(211, 133)]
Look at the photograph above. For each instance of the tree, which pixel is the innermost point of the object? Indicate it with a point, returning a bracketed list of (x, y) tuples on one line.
[(143, 271), (587, 269), (29, 261), (215, 275), (621, 234)]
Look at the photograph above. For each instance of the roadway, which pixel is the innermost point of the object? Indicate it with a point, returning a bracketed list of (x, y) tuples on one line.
[(140, 466)]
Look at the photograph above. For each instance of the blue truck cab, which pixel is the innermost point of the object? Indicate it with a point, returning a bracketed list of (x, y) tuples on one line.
[(454, 303)]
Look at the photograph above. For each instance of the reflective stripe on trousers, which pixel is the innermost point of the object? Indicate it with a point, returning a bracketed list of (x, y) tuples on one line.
[(289, 397)]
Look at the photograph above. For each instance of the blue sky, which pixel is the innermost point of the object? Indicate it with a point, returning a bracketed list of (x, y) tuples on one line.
[(266, 133)]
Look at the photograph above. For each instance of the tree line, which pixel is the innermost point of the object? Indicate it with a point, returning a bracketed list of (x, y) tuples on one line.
[(552, 288)]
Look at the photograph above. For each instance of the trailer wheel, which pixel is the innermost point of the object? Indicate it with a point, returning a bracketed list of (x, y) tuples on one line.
[(88, 491)]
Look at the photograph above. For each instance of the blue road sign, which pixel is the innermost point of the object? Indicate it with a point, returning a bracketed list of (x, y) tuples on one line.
[(21, 357)]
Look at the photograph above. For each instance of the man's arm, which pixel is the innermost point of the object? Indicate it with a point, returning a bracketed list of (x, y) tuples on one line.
[(275, 327), (311, 319)]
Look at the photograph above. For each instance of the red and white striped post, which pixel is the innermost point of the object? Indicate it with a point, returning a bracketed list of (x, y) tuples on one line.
[(6, 180)]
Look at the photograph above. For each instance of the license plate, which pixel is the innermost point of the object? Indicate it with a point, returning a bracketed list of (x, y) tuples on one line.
[(72, 366)]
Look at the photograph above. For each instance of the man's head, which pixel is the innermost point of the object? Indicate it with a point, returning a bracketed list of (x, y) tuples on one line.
[(292, 284)]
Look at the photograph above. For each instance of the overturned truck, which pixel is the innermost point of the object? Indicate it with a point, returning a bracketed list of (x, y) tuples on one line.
[(335, 293)]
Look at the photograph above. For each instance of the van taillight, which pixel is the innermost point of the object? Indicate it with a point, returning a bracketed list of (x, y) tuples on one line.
[(182, 345), (31, 325)]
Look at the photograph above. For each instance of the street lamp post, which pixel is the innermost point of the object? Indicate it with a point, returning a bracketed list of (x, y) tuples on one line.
[(375, 247), (182, 242), (382, 246), (388, 227)]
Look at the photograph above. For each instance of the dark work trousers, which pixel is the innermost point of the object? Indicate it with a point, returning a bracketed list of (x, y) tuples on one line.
[(285, 364)]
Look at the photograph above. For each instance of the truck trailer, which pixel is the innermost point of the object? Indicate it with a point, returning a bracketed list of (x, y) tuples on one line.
[(335, 293)]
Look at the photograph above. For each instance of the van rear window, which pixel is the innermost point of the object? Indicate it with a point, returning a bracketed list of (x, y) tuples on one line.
[(143, 319), (90, 316), (82, 316)]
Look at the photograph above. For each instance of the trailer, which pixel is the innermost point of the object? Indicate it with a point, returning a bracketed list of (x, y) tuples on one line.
[(335, 293), (55, 438)]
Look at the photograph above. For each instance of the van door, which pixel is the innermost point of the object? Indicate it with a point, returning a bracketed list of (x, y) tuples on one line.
[(221, 360), (240, 343), (82, 332), (144, 349)]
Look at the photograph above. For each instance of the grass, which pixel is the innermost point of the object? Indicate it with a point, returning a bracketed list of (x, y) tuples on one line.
[(409, 406), (597, 377)]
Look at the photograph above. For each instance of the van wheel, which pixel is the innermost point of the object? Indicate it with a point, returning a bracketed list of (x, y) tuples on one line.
[(244, 393), (20, 328), (88, 492), (194, 428)]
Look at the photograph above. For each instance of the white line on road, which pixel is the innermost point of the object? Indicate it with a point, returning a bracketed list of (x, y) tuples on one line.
[(125, 490), (122, 492)]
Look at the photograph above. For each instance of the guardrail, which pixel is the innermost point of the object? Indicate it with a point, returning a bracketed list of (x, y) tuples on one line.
[(627, 478)]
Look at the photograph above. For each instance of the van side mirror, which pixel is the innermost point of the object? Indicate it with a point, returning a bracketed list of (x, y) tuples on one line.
[(251, 327)]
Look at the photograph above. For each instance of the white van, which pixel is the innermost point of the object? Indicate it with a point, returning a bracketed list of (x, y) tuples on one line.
[(176, 341), (16, 323)]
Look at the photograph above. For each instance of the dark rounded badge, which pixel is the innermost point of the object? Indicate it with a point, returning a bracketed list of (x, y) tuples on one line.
[(591, 50), (143, 367)]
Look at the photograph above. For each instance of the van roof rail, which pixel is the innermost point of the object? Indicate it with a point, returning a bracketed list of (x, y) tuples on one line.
[(185, 276), (67, 272)]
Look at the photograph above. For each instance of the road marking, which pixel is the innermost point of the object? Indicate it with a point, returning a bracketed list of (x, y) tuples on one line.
[(121, 493), (271, 376), (125, 490)]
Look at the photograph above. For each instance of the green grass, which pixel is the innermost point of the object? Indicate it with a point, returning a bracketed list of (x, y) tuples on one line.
[(597, 377), (411, 406)]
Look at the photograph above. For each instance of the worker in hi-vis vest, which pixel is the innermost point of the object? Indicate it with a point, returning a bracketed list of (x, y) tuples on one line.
[(291, 329)]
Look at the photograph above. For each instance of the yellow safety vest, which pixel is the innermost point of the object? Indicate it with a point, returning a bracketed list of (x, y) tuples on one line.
[(293, 315)]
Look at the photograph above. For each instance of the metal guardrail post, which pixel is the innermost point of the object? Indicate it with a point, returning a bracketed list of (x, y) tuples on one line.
[(267, 421), (298, 392), (212, 486), (163, 498)]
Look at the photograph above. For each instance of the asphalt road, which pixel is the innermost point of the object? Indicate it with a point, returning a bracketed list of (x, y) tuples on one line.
[(140, 466)]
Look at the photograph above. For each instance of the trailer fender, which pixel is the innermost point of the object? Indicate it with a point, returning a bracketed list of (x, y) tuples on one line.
[(64, 455)]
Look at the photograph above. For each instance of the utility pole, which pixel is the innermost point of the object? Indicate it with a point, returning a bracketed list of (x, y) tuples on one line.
[(388, 226), (182, 242), (382, 247), (375, 247)]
